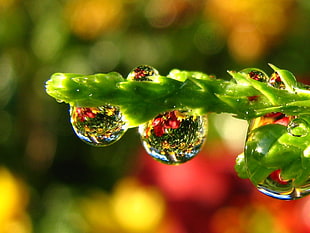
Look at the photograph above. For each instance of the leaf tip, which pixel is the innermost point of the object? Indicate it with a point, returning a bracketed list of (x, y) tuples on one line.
[(273, 67)]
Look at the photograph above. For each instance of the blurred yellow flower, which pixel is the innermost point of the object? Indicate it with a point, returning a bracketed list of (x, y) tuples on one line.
[(5, 4), (164, 13), (13, 201), (89, 19), (137, 208), (131, 208), (252, 27)]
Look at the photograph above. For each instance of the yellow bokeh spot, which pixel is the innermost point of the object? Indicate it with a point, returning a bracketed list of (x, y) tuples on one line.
[(5, 4), (246, 44), (251, 27), (137, 208), (97, 212), (89, 19), (13, 201), (130, 208)]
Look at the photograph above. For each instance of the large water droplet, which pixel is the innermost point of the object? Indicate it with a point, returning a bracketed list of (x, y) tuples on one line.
[(98, 126), (143, 73), (298, 127), (277, 187), (266, 149), (174, 137)]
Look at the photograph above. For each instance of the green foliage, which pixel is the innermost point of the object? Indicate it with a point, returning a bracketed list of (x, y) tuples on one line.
[(141, 101), (276, 153)]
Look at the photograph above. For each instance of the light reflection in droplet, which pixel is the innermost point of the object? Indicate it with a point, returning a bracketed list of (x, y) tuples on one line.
[(298, 128), (174, 137), (98, 126)]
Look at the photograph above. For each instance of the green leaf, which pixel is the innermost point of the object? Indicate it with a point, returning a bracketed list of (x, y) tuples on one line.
[(199, 92), (287, 77)]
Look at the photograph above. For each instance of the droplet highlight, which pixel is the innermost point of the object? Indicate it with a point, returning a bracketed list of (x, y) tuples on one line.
[(143, 73), (174, 137), (98, 126)]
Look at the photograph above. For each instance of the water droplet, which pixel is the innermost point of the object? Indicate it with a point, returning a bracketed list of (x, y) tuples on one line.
[(276, 81), (174, 137), (143, 73), (277, 187), (266, 149), (298, 127), (258, 76), (98, 126)]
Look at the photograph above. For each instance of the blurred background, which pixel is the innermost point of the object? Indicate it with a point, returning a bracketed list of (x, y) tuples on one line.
[(52, 182)]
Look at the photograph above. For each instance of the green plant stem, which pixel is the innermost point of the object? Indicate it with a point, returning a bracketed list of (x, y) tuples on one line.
[(201, 93)]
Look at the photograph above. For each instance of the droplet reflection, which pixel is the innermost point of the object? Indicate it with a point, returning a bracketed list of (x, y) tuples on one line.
[(174, 137), (98, 126), (271, 143), (275, 186), (143, 73), (298, 128)]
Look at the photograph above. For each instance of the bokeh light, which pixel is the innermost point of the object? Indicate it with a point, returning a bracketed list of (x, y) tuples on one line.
[(13, 201), (89, 19), (252, 27)]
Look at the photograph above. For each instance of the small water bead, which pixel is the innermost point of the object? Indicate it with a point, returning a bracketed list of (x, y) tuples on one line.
[(258, 76), (174, 137), (276, 81), (298, 128), (143, 73), (98, 126)]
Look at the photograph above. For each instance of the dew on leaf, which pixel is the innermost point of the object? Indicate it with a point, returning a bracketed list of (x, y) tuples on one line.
[(143, 73), (98, 126), (276, 81), (174, 137), (298, 128), (258, 76)]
